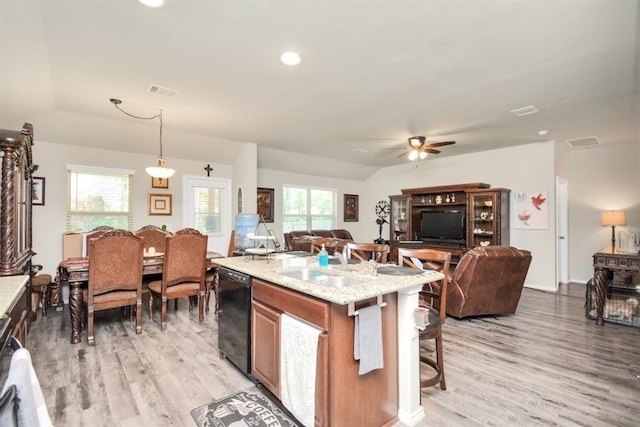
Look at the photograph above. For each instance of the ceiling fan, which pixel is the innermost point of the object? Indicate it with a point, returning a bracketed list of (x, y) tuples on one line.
[(419, 148)]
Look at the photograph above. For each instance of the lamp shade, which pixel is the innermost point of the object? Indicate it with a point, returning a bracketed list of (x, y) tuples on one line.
[(160, 170), (614, 218)]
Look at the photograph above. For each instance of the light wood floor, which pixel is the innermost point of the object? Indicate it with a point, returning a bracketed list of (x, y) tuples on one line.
[(546, 365)]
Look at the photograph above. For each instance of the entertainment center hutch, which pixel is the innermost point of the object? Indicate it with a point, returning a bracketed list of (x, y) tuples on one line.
[(471, 215)]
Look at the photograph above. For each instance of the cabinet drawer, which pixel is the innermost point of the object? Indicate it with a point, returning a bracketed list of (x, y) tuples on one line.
[(303, 306)]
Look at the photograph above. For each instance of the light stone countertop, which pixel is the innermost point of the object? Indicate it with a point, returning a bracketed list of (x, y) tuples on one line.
[(371, 286), (10, 288)]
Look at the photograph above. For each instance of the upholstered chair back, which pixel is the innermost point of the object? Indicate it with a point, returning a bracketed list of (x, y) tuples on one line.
[(185, 257), (154, 237), (115, 262)]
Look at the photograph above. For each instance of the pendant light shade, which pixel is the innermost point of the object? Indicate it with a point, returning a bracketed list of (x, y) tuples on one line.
[(159, 170)]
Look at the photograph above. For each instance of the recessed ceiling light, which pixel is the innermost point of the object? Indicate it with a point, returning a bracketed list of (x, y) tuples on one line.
[(543, 132), (290, 58), (152, 3)]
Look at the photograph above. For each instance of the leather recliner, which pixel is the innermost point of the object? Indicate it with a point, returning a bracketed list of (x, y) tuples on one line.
[(488, 281), (301, 240)]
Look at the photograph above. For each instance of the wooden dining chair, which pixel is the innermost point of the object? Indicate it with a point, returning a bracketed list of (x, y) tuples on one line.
[(433, 299), (154, 237), (115, 276), (94, 234), (369, 251), (183, 272), (330, 245)]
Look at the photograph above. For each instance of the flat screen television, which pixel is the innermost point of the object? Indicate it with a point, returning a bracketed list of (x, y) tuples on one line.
[(447, 226)]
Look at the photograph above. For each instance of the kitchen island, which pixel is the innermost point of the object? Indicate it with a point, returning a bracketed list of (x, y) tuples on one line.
[(343, 397)]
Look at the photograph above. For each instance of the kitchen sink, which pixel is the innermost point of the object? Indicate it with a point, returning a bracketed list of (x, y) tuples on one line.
[(320, 277)]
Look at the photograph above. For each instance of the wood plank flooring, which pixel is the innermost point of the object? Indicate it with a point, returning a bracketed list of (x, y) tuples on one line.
[(546, 365)]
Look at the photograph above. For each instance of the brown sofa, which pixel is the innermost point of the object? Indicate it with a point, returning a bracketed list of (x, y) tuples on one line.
[(488, 281), (301, 240)]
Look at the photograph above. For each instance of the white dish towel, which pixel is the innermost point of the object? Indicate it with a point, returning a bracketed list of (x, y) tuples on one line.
[(367, 339), (298, 360), (32, 409)]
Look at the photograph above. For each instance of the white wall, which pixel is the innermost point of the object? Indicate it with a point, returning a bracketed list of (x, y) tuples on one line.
[(522, 169), (278, 179), (526, 168), (49, 221), (600, 179)]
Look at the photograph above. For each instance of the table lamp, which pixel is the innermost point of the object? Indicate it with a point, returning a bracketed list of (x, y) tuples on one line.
[(614, 218)]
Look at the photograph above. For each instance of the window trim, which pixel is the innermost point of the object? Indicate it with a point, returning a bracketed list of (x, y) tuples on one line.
[(308, 215), (98, 170)]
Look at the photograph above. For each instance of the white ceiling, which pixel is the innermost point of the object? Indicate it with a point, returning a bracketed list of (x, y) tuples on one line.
[(373, 73)]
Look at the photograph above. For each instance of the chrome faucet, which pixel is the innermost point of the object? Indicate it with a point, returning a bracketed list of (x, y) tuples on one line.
[(344, 258), (374, 268)]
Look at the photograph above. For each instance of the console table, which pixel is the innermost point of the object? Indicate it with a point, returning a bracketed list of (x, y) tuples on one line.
[(612, 268)]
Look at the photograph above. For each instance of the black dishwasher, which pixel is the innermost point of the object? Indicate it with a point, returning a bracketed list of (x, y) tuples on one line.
[(234, 318)]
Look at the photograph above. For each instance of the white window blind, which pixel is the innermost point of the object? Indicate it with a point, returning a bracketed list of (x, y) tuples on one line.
[(99, 196), (308, 209), (208, 210)]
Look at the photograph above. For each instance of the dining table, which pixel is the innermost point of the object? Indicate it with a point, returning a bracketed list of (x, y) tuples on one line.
[(75, 272)]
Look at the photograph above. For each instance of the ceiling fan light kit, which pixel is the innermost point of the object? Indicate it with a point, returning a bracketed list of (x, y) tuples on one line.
[(418, 148)]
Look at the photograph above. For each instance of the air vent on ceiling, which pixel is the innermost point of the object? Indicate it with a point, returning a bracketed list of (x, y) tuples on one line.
[(525, 111), (164, 91), (583, 142)]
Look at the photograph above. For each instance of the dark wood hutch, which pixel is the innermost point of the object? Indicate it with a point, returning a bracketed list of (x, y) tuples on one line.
[(15, 218), (481, 211)]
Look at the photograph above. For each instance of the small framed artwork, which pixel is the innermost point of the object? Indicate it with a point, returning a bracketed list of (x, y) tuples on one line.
[(159, 204), (159, 182), (350, 208), (37, 191), (265, 204)]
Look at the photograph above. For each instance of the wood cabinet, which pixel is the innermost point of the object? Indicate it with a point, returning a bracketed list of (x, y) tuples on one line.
[(265, 330), (481, 212), (15, 209), (15, 217), (400, 218), (488, 217), (342, 398)]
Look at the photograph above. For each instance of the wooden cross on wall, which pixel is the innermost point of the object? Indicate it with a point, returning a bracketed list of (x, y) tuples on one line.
[(208, 169)]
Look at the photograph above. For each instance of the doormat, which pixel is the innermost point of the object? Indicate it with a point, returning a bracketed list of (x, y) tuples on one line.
[(248, 408)]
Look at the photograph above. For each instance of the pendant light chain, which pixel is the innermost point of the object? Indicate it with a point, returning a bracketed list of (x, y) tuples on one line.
[(155, 116), (160, 170)]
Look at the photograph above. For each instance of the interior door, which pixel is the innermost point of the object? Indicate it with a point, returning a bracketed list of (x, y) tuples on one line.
[(562, 230), (207, 208)]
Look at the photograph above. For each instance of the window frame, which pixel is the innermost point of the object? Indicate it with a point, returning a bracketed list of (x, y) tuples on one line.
[(309, 216), (70, 213)]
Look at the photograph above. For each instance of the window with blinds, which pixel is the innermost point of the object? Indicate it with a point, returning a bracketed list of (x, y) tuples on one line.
[(308, 209), (208, 210), (99, 196)]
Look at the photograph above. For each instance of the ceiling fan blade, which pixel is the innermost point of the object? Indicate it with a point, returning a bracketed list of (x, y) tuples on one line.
[(440, 144), (430, 150)]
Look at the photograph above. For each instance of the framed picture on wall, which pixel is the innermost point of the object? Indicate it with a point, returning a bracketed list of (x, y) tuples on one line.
[(159, 204), (350, 208), (159, 182), (265, 204), (37, 191)]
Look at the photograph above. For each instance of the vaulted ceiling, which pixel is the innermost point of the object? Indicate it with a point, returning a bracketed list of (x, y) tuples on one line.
[(373, 73)]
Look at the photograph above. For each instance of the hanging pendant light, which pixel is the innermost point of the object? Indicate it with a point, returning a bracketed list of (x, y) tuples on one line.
[(159, 170)]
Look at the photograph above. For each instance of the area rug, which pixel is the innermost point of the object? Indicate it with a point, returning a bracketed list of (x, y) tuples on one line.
[(248, 408)]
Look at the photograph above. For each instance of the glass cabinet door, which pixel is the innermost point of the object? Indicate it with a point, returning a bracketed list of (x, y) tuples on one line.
[(482, 230), (400, 219)]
